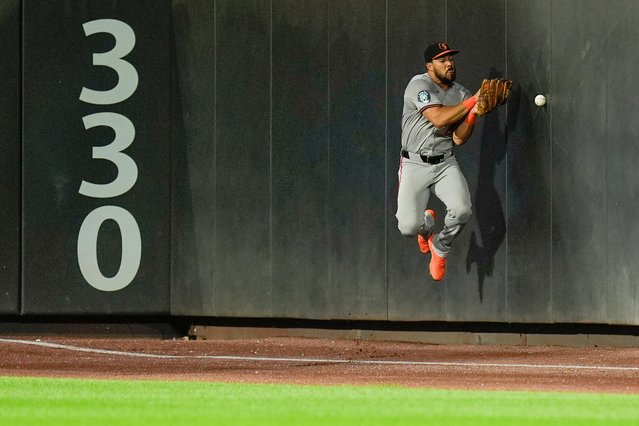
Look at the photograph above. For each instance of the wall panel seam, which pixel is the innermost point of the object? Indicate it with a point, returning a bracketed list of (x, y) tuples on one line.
[(550, 131), (215, 168), (270, 171), (386, 192)]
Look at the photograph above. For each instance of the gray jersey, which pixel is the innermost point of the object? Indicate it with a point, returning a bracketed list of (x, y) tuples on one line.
[(418, 134)]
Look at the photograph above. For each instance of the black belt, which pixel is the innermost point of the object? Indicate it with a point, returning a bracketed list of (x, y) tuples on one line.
[(435, 159)]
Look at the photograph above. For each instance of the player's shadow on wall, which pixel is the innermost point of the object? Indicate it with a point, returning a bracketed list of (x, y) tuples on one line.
[(491, 230)]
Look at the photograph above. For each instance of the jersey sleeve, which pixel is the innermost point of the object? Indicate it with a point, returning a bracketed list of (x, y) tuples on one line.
[(420, 96)]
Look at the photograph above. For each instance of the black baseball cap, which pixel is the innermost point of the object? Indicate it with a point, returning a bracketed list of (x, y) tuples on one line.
[(437, 50)]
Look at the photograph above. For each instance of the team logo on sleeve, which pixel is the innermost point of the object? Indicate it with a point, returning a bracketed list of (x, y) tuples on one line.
[(423, 96)]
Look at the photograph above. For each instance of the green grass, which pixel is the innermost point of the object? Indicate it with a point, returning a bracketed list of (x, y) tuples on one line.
[(69, 402)]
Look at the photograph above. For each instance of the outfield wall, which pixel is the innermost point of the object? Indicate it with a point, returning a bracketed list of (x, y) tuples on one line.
[(238, 158)]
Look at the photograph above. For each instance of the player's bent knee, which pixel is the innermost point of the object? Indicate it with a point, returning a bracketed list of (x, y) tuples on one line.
[(408, 228), (465, 214), (463, 218), (462, 213)]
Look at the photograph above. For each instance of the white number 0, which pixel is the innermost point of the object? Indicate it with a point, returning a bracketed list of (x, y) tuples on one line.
[(131, 248), (127, 75)]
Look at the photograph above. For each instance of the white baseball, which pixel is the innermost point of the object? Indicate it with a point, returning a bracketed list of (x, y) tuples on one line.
[(540, 100)]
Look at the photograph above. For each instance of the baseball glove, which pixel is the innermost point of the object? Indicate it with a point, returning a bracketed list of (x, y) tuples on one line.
[(493, 92)]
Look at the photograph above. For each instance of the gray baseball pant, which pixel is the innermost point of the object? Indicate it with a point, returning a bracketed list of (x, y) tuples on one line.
[(416, 181)]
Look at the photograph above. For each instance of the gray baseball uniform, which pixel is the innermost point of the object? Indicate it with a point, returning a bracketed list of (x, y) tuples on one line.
[(427, 164)]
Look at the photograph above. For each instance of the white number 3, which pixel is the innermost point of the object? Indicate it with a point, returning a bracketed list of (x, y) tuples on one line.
[(127, 75), (127, 169)]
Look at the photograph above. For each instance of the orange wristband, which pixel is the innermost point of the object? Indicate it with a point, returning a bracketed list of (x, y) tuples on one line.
[(470, 103), (470, 118)]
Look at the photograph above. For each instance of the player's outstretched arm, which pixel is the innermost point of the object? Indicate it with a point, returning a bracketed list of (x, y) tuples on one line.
[(442, 116)]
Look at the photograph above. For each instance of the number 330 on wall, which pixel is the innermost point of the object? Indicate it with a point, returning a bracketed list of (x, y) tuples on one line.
[(127, 171)]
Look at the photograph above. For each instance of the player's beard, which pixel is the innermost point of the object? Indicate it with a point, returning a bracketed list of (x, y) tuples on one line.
[(445, 77)]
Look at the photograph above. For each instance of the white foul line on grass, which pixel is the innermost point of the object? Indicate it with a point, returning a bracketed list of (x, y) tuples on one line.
[(321, 360)]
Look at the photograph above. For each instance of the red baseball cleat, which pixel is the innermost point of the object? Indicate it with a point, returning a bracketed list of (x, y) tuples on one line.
[(423, 244), (437, 266), (429, 219)]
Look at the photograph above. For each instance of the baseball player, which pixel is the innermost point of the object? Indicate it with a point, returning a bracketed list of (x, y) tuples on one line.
[(438, 114)]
